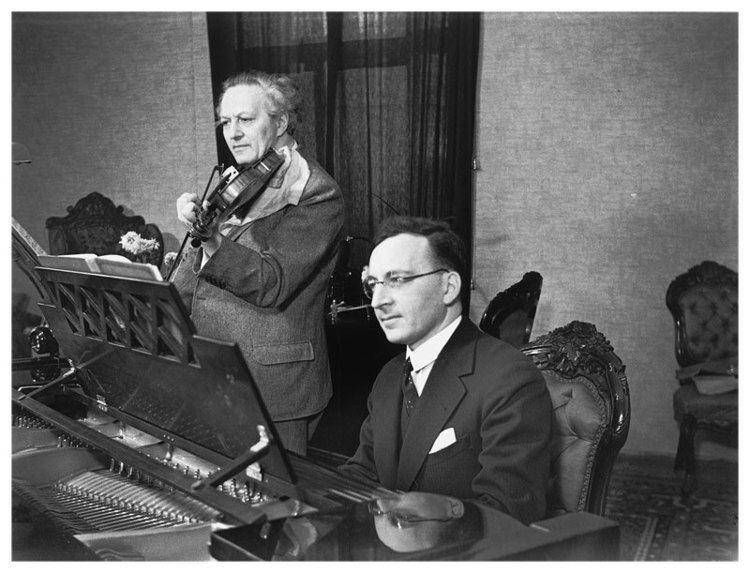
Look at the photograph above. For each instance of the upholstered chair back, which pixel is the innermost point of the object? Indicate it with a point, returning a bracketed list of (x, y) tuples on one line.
[(591, 406), (510, 315), (703, 303), (95, 225)]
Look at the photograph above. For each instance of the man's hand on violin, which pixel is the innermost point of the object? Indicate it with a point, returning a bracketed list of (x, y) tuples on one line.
[(187, 208), (189, 212)]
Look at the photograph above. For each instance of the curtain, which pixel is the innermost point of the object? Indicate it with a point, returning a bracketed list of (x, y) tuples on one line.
[(389, 102)]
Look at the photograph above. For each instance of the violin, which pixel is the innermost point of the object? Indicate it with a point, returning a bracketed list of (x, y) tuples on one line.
[(235, 189)]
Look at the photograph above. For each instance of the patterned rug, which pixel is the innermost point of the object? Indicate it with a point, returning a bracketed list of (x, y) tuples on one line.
[(654, 523)]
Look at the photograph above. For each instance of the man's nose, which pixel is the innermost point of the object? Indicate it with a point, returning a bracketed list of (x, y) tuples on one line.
[(380, 296), (234, 130)]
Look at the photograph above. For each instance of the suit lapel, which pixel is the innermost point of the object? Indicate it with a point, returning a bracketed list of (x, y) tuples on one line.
[(387, 405), (442, 393)]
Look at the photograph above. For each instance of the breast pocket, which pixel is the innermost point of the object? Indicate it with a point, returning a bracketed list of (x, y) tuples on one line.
[(462, 446)]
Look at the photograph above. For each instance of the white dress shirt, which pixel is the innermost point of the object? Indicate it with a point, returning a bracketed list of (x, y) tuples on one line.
[(425, 355)]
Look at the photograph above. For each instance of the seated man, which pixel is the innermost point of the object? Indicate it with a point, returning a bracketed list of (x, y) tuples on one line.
[(462, 413)]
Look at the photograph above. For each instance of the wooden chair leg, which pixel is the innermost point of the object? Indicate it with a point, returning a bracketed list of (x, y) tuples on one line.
[(685, 458)]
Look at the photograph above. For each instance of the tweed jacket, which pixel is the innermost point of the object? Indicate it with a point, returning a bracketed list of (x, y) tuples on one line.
[(264, 288), (498, 405)]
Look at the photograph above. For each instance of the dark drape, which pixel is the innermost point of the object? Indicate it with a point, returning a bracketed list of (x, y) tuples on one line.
[(389, 102)]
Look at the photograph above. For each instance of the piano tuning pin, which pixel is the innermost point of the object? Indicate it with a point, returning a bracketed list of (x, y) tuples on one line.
[(265, 530)]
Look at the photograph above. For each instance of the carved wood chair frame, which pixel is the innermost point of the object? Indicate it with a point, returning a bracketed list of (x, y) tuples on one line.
[(95, 225), (579, 352), (710, 274), (523, 295)]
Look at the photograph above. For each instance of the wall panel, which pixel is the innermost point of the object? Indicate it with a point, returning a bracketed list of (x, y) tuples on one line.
[(607, 146)]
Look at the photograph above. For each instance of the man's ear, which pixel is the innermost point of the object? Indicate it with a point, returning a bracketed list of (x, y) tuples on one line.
[(282, 122), (452, 288)]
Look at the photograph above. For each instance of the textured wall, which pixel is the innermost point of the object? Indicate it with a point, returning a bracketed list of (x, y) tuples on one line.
[(607, 146), (112, 102)]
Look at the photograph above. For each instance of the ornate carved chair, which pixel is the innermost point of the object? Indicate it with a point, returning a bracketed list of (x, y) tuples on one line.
[(510, 315), (704, 305), (591, 405), (95, 225)]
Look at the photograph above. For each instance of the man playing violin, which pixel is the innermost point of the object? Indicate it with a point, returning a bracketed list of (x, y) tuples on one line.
[(259, 278)]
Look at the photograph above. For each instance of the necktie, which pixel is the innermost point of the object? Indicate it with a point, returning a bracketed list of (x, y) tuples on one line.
[(410, 392)]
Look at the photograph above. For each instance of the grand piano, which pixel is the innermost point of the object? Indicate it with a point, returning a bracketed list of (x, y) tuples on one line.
[(136, 438)]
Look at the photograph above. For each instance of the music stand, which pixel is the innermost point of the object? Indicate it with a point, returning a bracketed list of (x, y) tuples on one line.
[(145, 363)]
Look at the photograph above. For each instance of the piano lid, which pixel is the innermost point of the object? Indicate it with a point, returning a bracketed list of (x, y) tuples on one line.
[(419, 526), (139, 356)]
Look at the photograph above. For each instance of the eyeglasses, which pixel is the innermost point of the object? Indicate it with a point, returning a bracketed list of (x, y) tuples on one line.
[(402, 520), (393, 281)]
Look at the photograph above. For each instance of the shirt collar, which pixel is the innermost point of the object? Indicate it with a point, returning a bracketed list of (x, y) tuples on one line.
[(278, 177), (428, 351)]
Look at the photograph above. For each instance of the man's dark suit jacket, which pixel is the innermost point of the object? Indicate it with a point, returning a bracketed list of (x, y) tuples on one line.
[(497, 402)]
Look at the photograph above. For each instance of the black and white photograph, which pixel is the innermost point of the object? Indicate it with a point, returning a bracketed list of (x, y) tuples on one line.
[(414, 283)]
